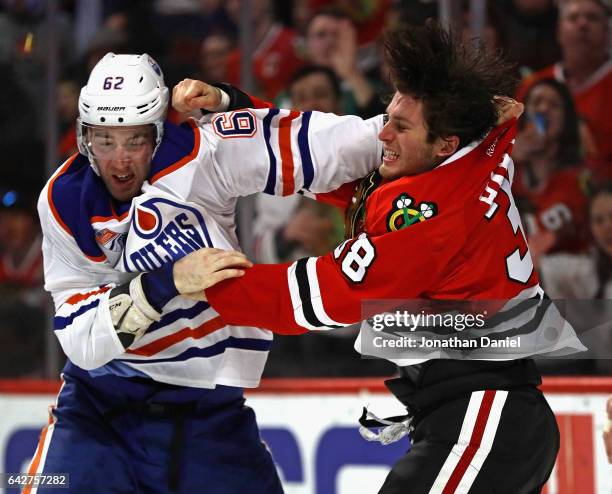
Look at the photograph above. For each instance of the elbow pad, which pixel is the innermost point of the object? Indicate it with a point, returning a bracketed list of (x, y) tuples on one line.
[(130, 311)]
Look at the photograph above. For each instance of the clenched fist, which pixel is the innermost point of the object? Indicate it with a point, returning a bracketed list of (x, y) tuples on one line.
[(191, 94), (206, 267), (507, 108)]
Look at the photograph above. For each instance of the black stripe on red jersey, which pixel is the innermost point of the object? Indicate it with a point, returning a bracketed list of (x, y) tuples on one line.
[(301, 275)]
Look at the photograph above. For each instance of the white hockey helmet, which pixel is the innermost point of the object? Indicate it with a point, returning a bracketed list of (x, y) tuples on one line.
[(122, 90)]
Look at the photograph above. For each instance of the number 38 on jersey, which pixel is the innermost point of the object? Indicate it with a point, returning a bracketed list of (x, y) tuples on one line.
[(357, 258)]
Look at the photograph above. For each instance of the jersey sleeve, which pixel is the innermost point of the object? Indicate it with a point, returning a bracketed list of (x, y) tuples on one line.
[(281, 152), (340, 198), (82, 321), (330, 291)]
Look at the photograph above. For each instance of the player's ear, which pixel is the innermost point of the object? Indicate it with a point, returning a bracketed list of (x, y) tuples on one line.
[(445, 146)]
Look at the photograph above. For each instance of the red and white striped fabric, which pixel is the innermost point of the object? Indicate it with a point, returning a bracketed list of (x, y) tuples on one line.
[(473, 445)]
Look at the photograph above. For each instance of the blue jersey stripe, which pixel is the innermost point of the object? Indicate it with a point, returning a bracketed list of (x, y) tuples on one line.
[(60, 322), (211, 351), (177, 314), (267, 121), (307, 168)]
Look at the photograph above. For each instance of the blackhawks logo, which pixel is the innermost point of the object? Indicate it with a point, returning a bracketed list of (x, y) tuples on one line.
[(406, 212)]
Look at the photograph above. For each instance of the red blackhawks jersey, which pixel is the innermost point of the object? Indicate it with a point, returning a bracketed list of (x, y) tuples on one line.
[(453, 233)]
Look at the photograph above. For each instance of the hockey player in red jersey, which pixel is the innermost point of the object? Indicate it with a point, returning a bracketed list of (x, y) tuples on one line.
[(437, 221)]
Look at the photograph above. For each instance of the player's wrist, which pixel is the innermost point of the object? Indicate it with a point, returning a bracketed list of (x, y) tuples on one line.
[(236, 99), (155, 289), (224, 101)]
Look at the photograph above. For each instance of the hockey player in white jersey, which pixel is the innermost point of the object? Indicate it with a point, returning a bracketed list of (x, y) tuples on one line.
[(152, 398)]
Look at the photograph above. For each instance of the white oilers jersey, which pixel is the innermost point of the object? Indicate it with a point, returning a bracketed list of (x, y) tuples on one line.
[(93, 243)]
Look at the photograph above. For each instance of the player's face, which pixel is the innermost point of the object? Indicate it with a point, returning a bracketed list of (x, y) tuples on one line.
[(123, 156), (545, 100), (314, 92), (407, 150), (601, 222)]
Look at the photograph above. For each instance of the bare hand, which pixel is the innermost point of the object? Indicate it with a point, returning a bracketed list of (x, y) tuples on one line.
[(344, 55), (191, 94), (206, 267), (507, 108)]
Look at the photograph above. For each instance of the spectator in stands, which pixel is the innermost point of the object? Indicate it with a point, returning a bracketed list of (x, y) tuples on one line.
[(578, 278), (547, 183), (331, 41), (214, 56), (21, 266), (528, 28), (275, 55), (315, 87), (585, 67), (587, 275), (213, 66)]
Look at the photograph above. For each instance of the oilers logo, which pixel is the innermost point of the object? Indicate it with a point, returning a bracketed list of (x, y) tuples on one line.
[(154, 66), (162, 231), (406, 212)]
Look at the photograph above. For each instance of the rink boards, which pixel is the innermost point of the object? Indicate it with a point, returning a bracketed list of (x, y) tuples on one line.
[(311, 427)]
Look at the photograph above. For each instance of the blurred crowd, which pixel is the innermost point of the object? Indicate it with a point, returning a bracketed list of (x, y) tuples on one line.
[(317, 55)]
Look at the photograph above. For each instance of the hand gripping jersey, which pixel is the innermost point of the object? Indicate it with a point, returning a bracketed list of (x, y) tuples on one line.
[(92, 243), (452, 233)]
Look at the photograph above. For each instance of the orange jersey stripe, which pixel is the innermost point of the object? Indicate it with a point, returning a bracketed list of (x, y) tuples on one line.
[(185, 159), (56, 215), (50, 194), (167, 341), (38, 454), (284, 142), (103, 219), (82, 296)]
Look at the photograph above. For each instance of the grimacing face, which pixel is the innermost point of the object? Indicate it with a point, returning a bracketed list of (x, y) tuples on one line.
[(406, 148), (123, 157)]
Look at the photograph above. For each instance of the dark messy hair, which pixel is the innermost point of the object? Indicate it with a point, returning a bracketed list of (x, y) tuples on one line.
[(455, 81)]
